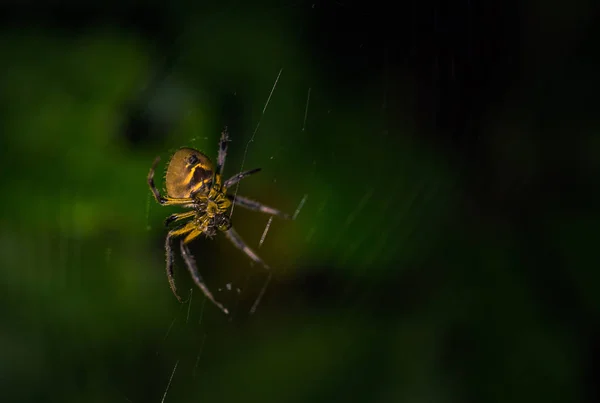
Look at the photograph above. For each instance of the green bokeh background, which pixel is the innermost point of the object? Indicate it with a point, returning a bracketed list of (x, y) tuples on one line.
[(394, 283)]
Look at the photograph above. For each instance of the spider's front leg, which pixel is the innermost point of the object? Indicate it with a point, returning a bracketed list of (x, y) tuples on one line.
[(174, 233), (239, 243), (256, 206), (193, 269), (178, 217), (238, 177), (223, 143)]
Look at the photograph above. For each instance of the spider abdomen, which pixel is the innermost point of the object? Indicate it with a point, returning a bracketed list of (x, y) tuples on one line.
[(189, 172)]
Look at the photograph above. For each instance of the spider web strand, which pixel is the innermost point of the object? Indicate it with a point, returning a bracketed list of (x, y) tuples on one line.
[(254, 134)]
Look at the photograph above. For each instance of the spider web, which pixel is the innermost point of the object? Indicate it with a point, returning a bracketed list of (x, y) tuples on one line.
[(341, 223), (347, 216), (384, 287), (237, 186), (228, 286)]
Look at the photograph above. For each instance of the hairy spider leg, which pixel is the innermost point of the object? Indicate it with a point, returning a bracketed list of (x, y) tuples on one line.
[(223, 143), (239, 243), (193, 269), (179, 217), (189, 227), (192, 235), (165, 201), (238, 177), (256, 206)]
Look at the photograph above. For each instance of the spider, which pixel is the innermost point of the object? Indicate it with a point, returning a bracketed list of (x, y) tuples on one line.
[(193, 182)]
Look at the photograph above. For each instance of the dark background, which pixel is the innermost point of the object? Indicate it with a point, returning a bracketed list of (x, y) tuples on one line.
[(447, 153)]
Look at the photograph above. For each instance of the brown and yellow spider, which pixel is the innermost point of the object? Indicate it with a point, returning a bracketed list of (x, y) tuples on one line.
[(192, 182)]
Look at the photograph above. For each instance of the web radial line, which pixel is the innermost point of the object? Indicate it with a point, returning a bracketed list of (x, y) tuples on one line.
[(254, 134)]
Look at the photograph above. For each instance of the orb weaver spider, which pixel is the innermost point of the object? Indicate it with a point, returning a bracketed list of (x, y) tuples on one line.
[(193, 182)]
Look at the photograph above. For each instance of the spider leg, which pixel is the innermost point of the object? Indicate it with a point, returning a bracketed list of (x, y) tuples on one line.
[(239, 243), (256, 206), (178, 217), (223, 142), (193, 269), (238, 177), (165, 201), (192, 235), (169, 254)]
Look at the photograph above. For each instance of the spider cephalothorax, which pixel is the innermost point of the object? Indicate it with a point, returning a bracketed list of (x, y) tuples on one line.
[(193, 182)]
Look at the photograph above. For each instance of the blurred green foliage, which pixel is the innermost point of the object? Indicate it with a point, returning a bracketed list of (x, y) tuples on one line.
[(87, 312)]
